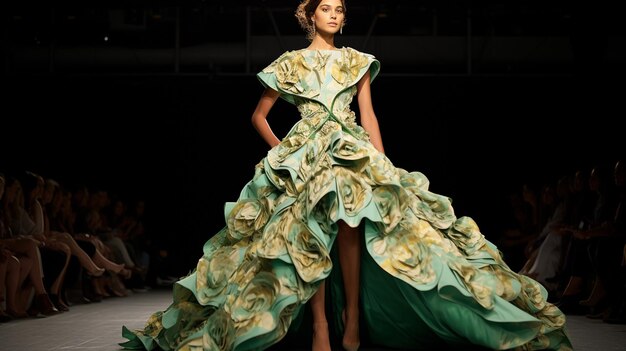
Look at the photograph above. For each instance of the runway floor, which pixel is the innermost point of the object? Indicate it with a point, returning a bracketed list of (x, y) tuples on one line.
[(97, 326)]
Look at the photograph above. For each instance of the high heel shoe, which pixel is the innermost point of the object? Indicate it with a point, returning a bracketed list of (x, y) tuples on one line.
[(97, 272), (89, 293), (346, 346), (56, 300), (42, 304)]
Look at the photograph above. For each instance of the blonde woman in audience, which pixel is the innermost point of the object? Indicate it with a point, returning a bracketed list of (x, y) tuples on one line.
[(28, 222), (13, 271), (27, 250)]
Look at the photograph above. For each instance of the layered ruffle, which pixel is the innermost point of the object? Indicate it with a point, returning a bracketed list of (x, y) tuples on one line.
[(258, 272)]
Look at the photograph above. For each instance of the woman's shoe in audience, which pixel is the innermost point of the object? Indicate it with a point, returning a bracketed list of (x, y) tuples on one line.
[(89, 293), (56, 300), (42, 304), (96, 272)]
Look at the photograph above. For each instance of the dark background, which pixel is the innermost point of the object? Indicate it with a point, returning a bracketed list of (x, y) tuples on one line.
[(153, 99)]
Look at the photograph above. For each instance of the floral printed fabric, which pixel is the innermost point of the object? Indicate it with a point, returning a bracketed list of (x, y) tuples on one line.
[(276, 247)]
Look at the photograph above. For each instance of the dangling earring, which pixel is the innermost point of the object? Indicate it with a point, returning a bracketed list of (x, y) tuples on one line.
[(341, 29)]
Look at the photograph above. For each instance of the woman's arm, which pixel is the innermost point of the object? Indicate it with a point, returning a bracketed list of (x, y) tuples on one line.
[(259, 116), (369, 122)]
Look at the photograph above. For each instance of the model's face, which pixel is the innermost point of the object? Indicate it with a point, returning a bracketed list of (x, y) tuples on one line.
[(329, 16)]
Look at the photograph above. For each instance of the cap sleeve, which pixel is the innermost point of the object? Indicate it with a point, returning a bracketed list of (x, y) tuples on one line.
[(267, 77), (371, 64), (352, 66)]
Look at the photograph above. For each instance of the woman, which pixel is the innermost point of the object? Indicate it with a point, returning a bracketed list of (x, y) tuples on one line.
[(28, 251), (425, 278)]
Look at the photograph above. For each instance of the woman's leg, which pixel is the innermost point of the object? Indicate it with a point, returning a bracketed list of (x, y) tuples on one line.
[(349, 242), (84, 259), (55, 287), (29, 249), (52, 262), (120, 252), (18, 270), (111, 266), (321, 339)]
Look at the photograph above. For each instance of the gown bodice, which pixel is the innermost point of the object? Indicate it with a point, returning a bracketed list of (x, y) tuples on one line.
[(321, 84)]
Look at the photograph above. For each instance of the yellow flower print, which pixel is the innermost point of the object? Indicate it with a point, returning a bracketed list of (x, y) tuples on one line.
[(289, 73), (352, 190), (246, 271), (256, 298), (212, 274), (319, 61), (273, 241), (309, 254), (347, 67), (153, 325), (219, 332), (507, 286), (477, 282), (320, 183), (381, 170), (406, 256), (247, 217), (389, 205), (351, 150), (466, 235)]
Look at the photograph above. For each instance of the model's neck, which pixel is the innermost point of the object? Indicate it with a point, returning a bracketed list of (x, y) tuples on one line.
[(323, 43)]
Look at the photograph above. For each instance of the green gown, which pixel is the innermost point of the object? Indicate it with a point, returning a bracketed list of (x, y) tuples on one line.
[(428, 277)]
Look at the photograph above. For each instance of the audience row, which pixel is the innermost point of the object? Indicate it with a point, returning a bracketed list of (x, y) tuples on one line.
[(55, 239), (571, 237)]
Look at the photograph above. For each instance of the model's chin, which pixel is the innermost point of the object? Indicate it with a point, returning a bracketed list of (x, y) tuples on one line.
[(333, 30)]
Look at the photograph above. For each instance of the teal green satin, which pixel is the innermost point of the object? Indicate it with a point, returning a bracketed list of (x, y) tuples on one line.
[(429, 278)]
